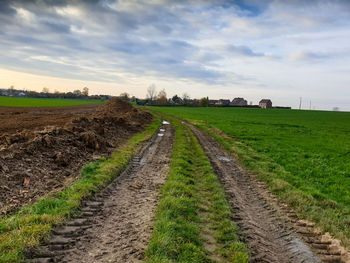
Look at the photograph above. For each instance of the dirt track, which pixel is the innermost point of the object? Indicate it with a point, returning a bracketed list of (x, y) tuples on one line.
[(265, 232), (118, 222)]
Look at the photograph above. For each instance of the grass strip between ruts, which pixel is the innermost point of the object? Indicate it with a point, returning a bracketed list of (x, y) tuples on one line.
[(33, 223), (192, 190)]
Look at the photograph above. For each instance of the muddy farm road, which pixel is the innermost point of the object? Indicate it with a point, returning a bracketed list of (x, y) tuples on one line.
[(117, 223), (264, 231)]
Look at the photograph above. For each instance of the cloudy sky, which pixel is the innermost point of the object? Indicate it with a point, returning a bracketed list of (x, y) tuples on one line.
[(254, 49)]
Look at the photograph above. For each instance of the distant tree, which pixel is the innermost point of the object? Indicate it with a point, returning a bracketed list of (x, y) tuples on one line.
[(176, 99), (162, 99), (185, 97), (45, 90), (151, 92), (124, 96), (11, 88), (204, 102), (335, 108), (77, 93), (85, 92)]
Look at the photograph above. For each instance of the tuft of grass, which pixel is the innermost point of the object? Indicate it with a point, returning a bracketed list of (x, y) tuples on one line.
[(192, 188), (33, 223), (43, 102)]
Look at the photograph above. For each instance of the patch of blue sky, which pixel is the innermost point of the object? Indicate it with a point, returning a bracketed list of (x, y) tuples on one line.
[(249, 8)]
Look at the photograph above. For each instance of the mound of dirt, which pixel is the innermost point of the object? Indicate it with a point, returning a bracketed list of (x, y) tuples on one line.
[(35, 162), (114, 107)]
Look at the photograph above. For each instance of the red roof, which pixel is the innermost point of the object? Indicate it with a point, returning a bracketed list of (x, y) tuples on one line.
[(265, 101)]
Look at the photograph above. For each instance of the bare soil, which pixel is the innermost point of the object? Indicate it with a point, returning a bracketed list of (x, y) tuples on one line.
[(43, 149), (16, 119), (268, 233), (116, 225)]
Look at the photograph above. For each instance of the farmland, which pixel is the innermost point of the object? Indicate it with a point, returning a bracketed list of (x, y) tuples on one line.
[(38, 102), (138, 184), (303, 156)]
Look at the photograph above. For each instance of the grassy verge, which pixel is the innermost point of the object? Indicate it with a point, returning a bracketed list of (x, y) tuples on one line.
[(193, 211), (33, 223), (40, 102)]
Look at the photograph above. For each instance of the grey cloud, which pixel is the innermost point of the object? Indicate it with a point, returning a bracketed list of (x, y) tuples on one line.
[(6, 9), (244, 51), (144, 39), (312, 56), (56, 27)]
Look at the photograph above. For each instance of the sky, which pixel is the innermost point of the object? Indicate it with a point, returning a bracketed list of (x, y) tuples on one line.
[(256, 49)]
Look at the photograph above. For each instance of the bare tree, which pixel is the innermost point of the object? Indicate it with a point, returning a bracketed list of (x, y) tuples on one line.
[(152, 92), (45, 90), (162, 99), (85, 92), (185, 97), (124, 96), (204, 102)]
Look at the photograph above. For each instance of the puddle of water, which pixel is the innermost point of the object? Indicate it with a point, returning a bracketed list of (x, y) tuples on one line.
[(162, 130), (301, 247), (165, 122), (223, 158), (160, 134)]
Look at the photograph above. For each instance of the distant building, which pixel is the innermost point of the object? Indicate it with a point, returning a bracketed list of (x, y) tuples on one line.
[(265, 104), (213, 102), (239, 102), (223, 102)]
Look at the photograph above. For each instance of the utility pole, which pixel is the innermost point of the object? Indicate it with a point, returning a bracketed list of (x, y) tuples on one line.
[(310, 104), (300, 100)]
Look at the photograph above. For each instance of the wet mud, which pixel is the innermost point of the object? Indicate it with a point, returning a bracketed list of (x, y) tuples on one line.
[(269, 234), (116, 224)]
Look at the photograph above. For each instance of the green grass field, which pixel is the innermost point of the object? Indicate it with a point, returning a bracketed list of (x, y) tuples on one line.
[(37, 102), (304, 156)]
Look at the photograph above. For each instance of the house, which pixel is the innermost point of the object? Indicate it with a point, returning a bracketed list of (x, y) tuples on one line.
[(213, 102), (222, 102), (265, 104), (239, 102)]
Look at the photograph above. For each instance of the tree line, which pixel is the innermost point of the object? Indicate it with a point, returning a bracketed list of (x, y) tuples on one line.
[(46, 93)]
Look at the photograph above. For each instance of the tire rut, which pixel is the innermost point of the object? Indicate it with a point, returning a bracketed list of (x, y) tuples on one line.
[(268, 236), (116, 223)]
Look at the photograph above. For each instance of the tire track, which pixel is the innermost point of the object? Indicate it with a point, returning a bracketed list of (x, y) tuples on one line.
[(269, 237), (116, 224)]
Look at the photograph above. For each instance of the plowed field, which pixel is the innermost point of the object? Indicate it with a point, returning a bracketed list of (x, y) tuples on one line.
[(43, 149)]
